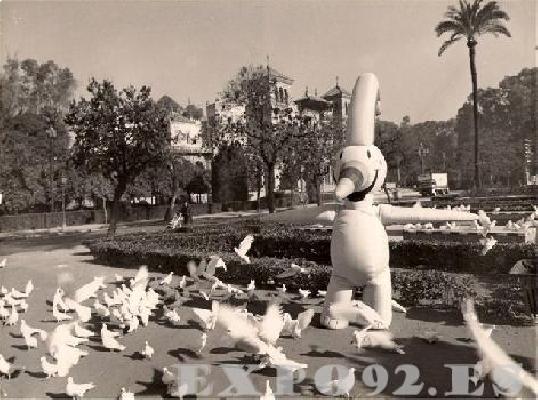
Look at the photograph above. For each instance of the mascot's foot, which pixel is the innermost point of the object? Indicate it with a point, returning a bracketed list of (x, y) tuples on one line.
[(334, 324)]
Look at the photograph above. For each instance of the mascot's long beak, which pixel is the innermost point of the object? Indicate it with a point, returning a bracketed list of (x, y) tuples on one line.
[(350, 178), (360, 132)]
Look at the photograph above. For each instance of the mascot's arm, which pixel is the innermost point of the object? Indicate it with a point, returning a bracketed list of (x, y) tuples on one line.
[(392, 215)]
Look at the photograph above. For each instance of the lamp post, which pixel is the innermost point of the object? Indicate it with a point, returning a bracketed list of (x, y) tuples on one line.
[(422, 151), (64, 219)]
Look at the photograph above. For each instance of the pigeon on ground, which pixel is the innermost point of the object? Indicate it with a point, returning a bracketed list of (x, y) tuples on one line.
[(167, 280), (379, 338), (294, 327), (26, 330), (358, 312), (3, 263), (148, 351), (126, 395), (48, 368), (82, 332), (168, 378), (30, 341), (77, 390)]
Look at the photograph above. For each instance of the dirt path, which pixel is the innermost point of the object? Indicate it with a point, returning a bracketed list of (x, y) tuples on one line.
[(44, 262)]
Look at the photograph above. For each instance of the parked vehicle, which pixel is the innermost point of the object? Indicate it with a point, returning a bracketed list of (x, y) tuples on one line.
[(433, 184)]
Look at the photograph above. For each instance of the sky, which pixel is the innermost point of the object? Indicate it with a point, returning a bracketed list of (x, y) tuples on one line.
[(190, 49)]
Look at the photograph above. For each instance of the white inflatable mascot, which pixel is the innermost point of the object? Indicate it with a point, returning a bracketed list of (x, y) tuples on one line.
[(359, 245)]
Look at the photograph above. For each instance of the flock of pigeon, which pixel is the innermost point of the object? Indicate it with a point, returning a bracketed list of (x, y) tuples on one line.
[(133, 301)]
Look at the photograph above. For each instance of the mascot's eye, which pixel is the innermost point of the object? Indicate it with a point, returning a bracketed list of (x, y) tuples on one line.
[(368, 153)]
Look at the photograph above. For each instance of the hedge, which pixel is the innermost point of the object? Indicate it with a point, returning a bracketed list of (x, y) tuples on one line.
[(279, 241), (410, 287)]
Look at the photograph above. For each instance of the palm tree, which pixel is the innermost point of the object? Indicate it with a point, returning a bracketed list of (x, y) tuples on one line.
[(469, 21)]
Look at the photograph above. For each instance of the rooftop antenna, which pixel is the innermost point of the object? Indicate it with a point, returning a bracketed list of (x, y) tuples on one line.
[(316, 92), (337, 86), (306, 91)]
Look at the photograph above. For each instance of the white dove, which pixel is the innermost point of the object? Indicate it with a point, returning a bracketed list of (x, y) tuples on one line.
[(357, 312), (67, 357), (494, 361), (271, 324), (168, 378), (304, 293), (4, 312), (244, 247), (397, 307), (133, 322), (82, 332), (100, 309), (148, 351), (26, 330), (321, 293), (30, 341), (118, 278), (251, 286), (383, 339), (183, 282), (16, 294), (111, 343), (5, 366), (77, 390), (84, 313), (57, 301), (167, 280), (3, 263), (327, 215), (206, 317), (125, 395), (106, 333), (60, 316), (204, 295), (173, 317), (339, 387), (488, 242), (268, 395), (294, 327), (48, 368), (13, 317)]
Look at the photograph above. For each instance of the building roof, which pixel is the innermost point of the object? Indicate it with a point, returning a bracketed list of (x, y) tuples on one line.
[(280, 76), (336, 90), (312, 102)]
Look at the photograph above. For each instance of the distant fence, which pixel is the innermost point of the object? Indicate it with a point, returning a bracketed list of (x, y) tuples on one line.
[(9, 223)]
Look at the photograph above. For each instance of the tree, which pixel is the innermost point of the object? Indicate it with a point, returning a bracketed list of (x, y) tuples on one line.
[(229, 177), (266, 141), (468, 22), (169, 104), (119, 134), (33, 98)]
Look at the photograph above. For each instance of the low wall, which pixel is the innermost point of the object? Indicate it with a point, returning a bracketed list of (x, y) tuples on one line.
[(10, 223)]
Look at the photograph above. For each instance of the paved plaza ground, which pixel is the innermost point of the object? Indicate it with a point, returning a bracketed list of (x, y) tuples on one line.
[(43, 259)]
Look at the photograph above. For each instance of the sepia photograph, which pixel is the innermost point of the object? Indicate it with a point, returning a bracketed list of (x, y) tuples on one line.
[(288, 199)]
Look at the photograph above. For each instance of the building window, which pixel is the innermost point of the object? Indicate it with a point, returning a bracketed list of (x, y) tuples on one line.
[(280, 95)]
